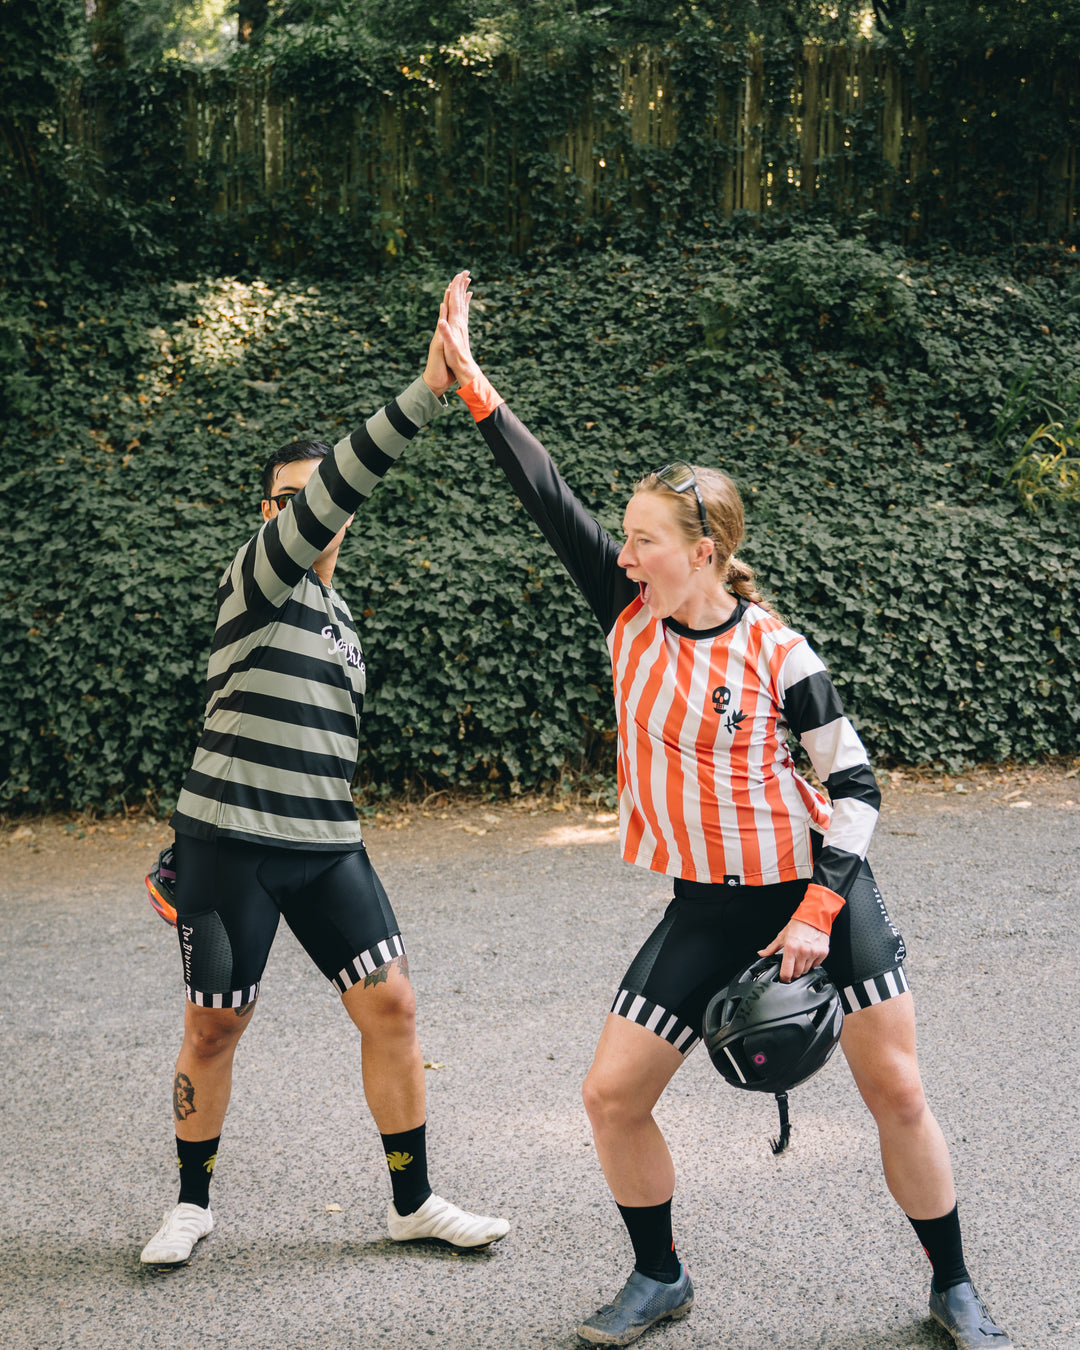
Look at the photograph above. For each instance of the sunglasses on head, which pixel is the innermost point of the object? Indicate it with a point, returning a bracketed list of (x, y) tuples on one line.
[(680, 477)]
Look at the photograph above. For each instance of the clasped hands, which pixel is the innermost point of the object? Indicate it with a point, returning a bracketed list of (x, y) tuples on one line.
[(449, 358)]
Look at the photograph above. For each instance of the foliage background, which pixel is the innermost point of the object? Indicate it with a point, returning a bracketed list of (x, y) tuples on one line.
[(864, 400), (97, 175), (873, 396)]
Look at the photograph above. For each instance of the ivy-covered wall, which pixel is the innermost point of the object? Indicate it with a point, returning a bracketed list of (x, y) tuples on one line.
[(872, 402), (324, 155), (867, 331), (507, 151)]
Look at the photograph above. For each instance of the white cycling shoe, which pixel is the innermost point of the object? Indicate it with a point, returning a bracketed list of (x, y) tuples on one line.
[(438, 1218), (174, 1240)]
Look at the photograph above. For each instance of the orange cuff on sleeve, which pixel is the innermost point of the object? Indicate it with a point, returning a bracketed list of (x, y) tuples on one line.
[(480, 398), (819, 907)]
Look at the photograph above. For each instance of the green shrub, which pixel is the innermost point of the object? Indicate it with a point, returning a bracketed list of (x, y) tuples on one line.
[(1048, 468), (867, 449), (815, 291)]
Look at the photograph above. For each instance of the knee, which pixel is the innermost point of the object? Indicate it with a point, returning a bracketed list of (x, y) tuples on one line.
[(384, 1009), (397, 1010), (607, 1104), (897, 1100), (208, 1039)]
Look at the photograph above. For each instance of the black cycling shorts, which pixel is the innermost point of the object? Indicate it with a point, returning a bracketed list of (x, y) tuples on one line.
[(710, 932), (230, 895)]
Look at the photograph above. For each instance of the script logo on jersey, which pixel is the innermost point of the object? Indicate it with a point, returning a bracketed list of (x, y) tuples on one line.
[(352, 654)]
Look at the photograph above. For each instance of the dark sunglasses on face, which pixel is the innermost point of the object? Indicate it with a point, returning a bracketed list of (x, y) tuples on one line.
[(680, 477), (280, 500)]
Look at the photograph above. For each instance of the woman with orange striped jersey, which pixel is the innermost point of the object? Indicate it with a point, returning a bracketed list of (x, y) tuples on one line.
[(709, 684)]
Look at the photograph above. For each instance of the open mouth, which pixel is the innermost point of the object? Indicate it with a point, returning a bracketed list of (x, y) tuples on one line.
[(644, 588)]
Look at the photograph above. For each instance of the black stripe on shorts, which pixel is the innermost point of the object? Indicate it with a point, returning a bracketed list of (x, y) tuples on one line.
[(236, 998), (879, 989)]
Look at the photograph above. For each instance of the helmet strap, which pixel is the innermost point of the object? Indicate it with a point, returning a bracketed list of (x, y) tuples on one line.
[(778, 1145)]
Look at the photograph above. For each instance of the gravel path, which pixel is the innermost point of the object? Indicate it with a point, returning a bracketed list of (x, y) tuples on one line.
[(519, 923)]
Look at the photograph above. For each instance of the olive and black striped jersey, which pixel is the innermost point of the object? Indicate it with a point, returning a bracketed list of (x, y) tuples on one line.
[(708, 790), (286, 677)]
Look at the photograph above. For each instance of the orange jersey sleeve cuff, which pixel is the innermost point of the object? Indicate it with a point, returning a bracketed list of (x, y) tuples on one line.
[(819, 907), (480, 398)]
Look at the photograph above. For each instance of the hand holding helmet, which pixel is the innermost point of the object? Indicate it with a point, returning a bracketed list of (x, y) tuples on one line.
[(767, 1035), (161, 883), (800, 946)]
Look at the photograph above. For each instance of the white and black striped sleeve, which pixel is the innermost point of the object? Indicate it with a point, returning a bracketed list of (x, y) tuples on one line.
[(813, 711), (271, 563)]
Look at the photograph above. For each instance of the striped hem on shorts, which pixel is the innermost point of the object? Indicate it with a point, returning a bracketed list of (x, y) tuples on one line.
[(360, 967), (651, 1016), (877, 990), (236, 998)]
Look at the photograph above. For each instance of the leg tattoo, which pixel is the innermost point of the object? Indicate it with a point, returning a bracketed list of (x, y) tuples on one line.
[(381, 975), (183, 1097)]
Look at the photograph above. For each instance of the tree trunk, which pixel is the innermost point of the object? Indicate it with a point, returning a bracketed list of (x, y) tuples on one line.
[(106, 21)]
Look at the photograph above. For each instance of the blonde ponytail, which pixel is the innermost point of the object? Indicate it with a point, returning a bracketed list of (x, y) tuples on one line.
[(739, 579)]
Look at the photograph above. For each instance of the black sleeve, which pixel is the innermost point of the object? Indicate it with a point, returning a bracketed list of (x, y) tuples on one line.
[(584, 548)]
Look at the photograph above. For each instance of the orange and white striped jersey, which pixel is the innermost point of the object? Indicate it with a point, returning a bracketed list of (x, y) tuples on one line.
[(708, 789)]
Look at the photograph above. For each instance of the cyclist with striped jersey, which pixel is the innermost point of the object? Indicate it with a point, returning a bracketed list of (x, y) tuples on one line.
[(709, 686)]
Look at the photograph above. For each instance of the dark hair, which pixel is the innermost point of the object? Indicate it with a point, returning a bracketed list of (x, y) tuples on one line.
[(289, 454)]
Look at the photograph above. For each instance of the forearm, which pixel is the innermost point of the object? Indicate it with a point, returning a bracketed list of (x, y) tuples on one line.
[(584, 548), (362, 459), (283, 550), (813, 710), (826, 894)]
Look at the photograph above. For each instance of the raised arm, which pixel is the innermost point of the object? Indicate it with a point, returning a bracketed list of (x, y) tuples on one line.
[(271, 564), (584, 548)]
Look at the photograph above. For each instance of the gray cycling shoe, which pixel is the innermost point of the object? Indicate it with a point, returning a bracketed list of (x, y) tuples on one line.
[(639, 1305), (967, 1319)]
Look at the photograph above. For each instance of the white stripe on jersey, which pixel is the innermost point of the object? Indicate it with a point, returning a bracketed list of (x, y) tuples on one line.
[(852, 826), (836, 744), (708, 787)]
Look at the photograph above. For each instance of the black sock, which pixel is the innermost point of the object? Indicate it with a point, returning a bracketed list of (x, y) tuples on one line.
[(941, 1242), (649, 1227), (406, 1156), (196, 1162)]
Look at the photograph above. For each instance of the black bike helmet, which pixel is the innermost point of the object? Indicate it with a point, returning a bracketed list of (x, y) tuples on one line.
[(770, 1037)]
